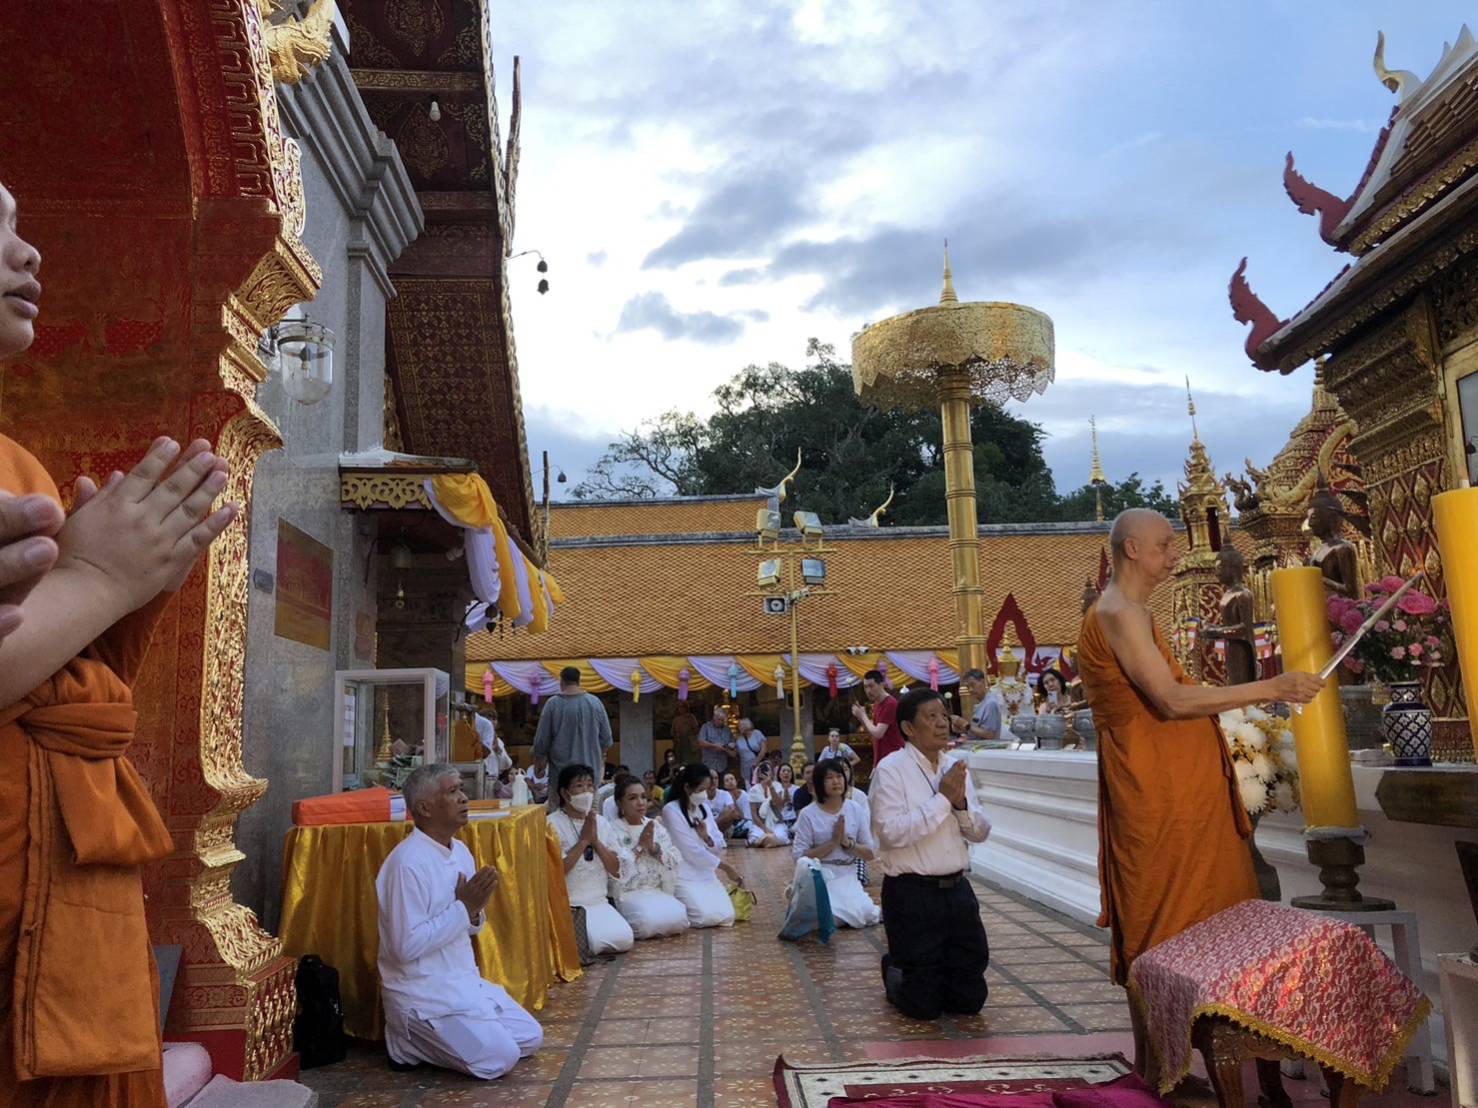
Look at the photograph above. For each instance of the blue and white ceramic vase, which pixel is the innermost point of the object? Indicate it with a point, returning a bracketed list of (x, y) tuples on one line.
[(1406, 723)]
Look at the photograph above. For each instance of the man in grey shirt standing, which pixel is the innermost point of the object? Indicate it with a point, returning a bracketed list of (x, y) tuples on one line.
[(573, 730), (989, 710), (716, 742)]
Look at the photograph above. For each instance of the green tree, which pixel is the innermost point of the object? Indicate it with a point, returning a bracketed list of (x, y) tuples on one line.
[(852, 454)]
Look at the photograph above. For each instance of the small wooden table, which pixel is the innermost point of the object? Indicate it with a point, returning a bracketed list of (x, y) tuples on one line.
[(1225, 1047)]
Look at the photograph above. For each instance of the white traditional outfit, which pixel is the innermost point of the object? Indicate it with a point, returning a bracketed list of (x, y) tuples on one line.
[(850, 903), (538, 782), (607, 931), (697, 885), (497, 760), (438, 1008), (722, 802), (764, 819), (645, 897)]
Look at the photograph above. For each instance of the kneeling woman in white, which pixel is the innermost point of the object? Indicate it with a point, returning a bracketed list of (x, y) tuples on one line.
[(768, 802), (835, 832), (592, 854), (691, 827), (644, 896)]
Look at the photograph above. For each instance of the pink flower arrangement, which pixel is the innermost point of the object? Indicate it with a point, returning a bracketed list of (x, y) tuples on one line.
[(1396, 649)]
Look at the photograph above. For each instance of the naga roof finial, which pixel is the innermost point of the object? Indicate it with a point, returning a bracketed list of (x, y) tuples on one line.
[(1311, 200), (872, 519), (1248, 308), (1402, 82), (777, 493)]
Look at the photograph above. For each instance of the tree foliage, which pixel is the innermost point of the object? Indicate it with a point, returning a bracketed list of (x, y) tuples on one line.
[(852, 454)]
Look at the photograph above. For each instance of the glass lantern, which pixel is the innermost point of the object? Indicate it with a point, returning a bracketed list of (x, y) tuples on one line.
[(389, 721), (305, 351)]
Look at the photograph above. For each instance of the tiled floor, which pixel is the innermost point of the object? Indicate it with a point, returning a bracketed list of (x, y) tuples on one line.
[(698, 1020)]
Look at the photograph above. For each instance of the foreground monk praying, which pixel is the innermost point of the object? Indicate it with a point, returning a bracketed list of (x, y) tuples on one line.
[(438, 1008), (1172, 827), (76, 822)]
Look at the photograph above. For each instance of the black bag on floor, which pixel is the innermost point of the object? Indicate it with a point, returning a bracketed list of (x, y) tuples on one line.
[(318, 1029)]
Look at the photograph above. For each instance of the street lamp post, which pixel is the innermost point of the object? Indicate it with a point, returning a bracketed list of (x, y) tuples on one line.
[(799, 585), (952, 357)]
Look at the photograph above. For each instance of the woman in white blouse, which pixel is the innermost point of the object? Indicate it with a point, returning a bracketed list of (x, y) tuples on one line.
[(691, 827), (592, 855), (767, 806), (644, 897), (785, 778), (835, 832)]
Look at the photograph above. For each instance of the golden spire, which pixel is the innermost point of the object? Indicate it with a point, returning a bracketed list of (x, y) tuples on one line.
[(1191, 407), (948, 295), (1095, 475)]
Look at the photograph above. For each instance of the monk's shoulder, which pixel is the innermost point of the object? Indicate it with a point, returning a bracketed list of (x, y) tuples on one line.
[(20, 473)]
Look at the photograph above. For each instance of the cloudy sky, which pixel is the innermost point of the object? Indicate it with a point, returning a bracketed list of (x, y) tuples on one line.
[(714, 182)]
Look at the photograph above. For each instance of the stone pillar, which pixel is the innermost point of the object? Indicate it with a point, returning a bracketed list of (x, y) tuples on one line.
[(636, 734)]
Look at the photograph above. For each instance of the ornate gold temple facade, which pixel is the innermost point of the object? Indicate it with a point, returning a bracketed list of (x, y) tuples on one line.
[(1398, 325), (1195, 591)]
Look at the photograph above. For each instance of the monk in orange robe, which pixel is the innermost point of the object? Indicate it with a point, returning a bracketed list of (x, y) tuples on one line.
[(1172, 828), (79, 1010)]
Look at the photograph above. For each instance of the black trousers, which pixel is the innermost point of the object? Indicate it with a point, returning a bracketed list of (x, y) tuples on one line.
[(937, 949)]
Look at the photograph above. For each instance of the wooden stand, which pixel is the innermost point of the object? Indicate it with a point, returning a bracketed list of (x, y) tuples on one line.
[(1225, 1047)]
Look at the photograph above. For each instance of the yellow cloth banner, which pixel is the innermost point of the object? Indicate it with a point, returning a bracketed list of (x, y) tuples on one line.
[(861, 663), (762, 667), (590, 681), (665, 668), (475, 670), (949, 658), (329, 908), (541, 602), (467, 497)]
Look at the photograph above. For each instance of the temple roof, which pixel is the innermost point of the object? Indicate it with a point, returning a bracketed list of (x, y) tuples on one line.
[(1398, 222), (641, 588)]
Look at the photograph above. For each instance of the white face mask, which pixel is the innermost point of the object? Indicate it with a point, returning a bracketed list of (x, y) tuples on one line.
[(582, 802)]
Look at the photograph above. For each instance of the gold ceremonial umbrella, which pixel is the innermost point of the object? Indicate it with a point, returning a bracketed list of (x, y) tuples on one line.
[(953, 356)]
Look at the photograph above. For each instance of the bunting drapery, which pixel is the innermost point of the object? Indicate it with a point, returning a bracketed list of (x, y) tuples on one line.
[(706, 671), (502, 577)]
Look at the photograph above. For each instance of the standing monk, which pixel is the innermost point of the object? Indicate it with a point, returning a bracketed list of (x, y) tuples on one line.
[(1172, 830)]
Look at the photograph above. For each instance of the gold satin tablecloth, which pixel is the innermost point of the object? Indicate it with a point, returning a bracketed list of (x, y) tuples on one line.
[(329, 908)]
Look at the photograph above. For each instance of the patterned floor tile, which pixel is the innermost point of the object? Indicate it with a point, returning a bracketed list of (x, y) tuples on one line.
[(744, 1092), (640, 1032), (629, 1094), (1100, 1017), (1082, 992)]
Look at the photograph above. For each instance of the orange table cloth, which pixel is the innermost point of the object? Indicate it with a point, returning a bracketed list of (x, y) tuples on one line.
[(1309, 982), (329, 908)]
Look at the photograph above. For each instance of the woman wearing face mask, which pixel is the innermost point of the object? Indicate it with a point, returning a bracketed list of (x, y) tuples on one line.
[(593, 854), (644, 896), (691, 827), (835, 832), (767, 804)]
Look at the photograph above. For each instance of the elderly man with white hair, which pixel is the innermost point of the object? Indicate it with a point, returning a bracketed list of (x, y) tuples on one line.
[(438, 1008)]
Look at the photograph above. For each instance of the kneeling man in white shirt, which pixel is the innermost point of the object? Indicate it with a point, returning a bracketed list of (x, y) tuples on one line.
[(924, 818), (438, 1008)]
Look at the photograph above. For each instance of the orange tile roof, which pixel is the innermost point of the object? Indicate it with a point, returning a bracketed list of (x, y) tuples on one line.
[(672, 516), (631, 594)]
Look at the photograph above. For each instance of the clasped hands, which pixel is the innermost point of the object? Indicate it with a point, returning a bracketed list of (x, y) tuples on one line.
[(475, 891), (124, 544), (953, 784)]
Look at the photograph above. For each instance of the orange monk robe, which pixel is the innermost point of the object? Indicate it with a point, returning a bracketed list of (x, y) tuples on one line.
[(79, 997), (1172, 829)]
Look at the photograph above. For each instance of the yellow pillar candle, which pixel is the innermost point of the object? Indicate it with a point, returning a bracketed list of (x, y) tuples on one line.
[(1456, 516), (1325, 779)]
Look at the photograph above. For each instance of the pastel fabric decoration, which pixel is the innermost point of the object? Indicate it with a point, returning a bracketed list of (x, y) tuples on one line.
[(831, 679), (780, 682), (733, 680), (934, 674), (683, 676), (487, 684), (635, 686)]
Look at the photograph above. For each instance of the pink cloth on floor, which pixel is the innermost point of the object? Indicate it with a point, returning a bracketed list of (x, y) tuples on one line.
[(1310, 982), (1126, 1092)]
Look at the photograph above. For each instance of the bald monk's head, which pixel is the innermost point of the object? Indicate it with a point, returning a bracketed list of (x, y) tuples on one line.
[(1143, 545)]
